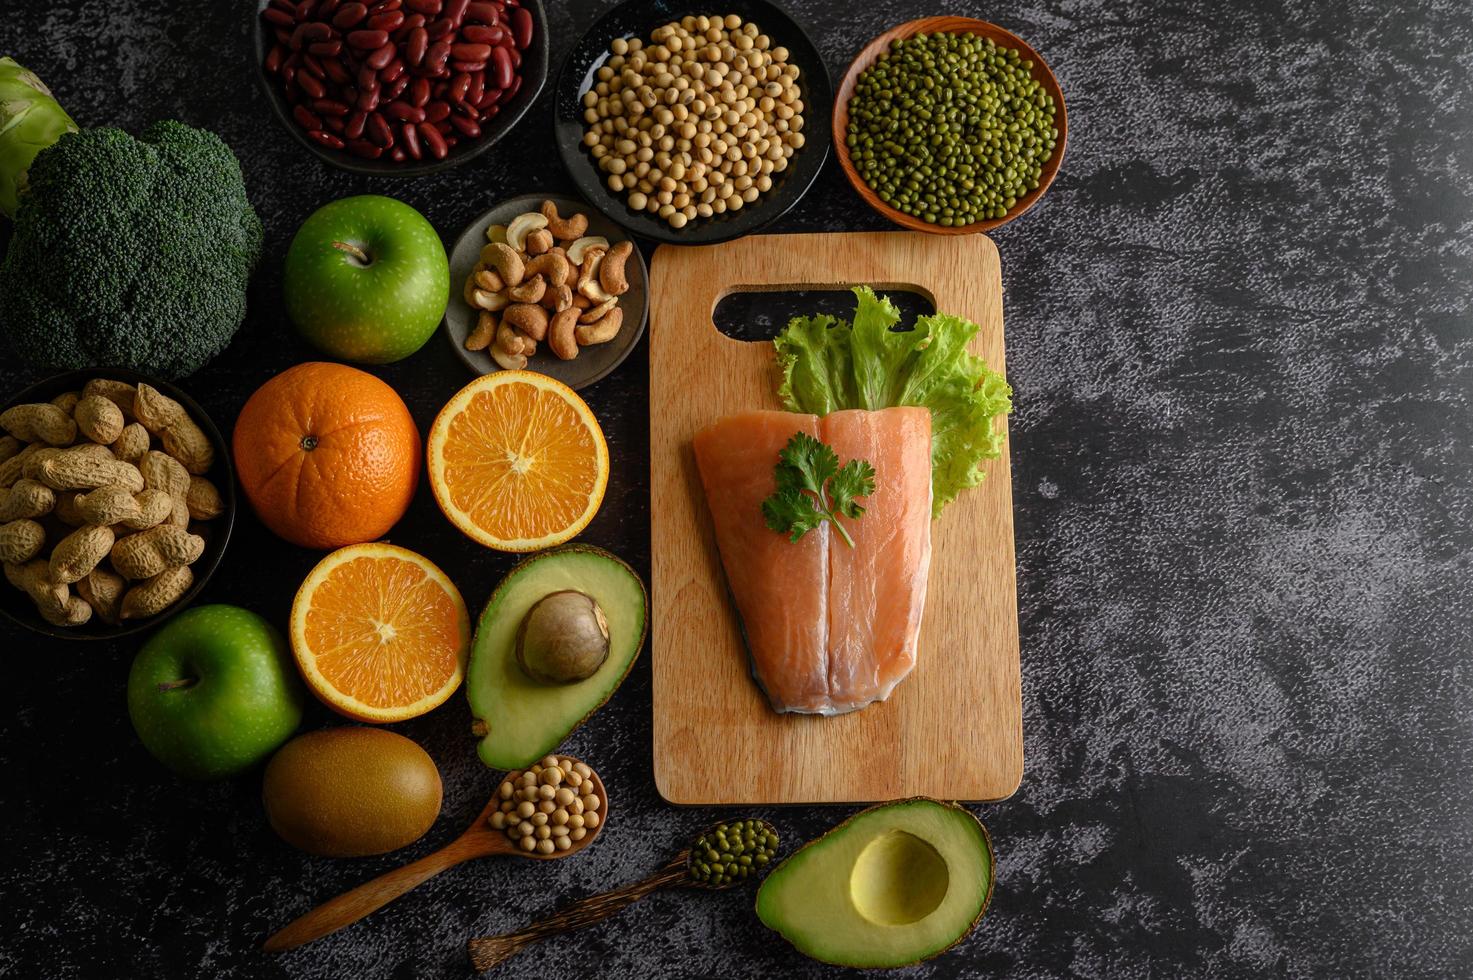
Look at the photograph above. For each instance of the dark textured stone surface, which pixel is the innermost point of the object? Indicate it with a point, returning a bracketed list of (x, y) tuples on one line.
[(1239, 332)]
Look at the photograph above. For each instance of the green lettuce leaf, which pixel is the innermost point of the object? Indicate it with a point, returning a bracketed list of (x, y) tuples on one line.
[(830, 364)]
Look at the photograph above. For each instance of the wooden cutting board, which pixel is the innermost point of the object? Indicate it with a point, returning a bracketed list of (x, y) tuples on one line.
[(953, 728)]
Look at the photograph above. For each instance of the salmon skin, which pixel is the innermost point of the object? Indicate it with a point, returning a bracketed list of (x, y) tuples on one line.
[(829, 628)]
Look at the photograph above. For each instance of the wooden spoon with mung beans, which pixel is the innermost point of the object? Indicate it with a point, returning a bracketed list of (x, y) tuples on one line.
[(727, 854)]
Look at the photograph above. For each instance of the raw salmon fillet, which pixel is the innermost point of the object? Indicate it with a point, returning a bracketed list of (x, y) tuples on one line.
[(829, 628)]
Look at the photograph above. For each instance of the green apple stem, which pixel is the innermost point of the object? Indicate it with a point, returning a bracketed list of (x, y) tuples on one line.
[(354, 251), (177, 684)]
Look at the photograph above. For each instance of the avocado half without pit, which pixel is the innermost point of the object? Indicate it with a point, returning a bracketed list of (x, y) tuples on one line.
[(555, 641), (896, 884)]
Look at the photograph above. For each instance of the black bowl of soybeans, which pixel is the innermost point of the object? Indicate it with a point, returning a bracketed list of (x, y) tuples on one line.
[(400, 87)]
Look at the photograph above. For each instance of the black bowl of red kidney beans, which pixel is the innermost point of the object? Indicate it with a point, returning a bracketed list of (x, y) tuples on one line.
[(401, 87)]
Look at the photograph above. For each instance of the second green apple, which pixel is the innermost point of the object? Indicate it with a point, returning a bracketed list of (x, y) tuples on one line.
[(367, 279)]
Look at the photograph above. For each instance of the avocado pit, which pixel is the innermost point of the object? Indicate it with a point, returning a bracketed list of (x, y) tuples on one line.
[(563, 638)]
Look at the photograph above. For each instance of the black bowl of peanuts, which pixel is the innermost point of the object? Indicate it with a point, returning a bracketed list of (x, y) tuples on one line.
[(693, 124), (400, 87), (117, 498)]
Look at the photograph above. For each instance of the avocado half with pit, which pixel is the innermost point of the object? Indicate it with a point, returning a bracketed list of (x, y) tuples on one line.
[(891, 886), (521, 715)]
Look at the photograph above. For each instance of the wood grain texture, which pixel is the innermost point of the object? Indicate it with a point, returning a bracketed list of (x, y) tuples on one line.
[(953, 728), (947, 25)]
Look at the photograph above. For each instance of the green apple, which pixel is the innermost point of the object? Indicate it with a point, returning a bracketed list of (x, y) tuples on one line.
[(367, 279), (214, 692)]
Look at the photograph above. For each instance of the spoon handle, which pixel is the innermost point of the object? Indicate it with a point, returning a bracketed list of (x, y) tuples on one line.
[(488, 951), (369, 897)]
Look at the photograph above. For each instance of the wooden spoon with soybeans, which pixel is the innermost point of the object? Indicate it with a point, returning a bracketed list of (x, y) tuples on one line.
[(582, 811), (725, 855)]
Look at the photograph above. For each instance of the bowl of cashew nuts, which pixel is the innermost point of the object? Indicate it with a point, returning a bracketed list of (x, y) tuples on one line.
[(545, 283)]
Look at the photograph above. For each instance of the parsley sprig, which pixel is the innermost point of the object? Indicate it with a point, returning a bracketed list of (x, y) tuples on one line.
[(812, 488)]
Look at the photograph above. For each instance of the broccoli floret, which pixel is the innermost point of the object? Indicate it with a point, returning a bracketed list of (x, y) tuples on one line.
[(130, 252)]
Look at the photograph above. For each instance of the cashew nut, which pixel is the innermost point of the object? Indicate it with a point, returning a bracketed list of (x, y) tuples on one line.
[(480, 337), (511, 362), (611, 271), (602, 331), (595, 313), (551, 265), (560, 338), (523, 225), (489, 301), (582, 245), (510, 341), (564, 229), (489, 280), (530, 290), (538, 242), (558, 299), (496, 234), (505, 260), (528, 318), (589, 271)]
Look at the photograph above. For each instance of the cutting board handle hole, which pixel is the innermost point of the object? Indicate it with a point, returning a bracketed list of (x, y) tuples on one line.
[(759, 313)]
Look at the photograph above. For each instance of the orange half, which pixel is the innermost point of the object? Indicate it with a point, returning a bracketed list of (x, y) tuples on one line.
[(517, 461), (380, 633)]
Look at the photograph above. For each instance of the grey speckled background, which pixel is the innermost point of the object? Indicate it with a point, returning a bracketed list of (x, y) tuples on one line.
[(1240, 335)]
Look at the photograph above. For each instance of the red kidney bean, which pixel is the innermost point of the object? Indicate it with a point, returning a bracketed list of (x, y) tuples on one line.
[(440, 29), (434, 140), (381, 57), (416, 46), (349, 16), (367, 78), (337, 72), (490, 113), (306, 9), (521, 27), (410, 137), (278, 18), (398, 155), (470, 52), (368, 40), (306, 34), (477, 88), (391, 72), (327, 8), (482, 12), (516, 58), (334, 123), (390, 21), (459, 85), (419, 92), (283, 36), (396, 88), (310, 84), (355, 125), (379, 130), (430, 8), (455, 11), (384, 6), (274, 58), (312, 65), (329, 107), (466, 67), (365, 149), (482, 35), (437, 55), (326, 49), (289, 76), (441, 87), (285, 6), (500, 67), (306, 118), (326, 139), (468, 127), (436, 111), (404, 112), (509, 93), (367, 100), (488, 99), (410, 23)]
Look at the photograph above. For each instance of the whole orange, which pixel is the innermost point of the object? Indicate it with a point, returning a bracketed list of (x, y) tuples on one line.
[(328, 455)]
